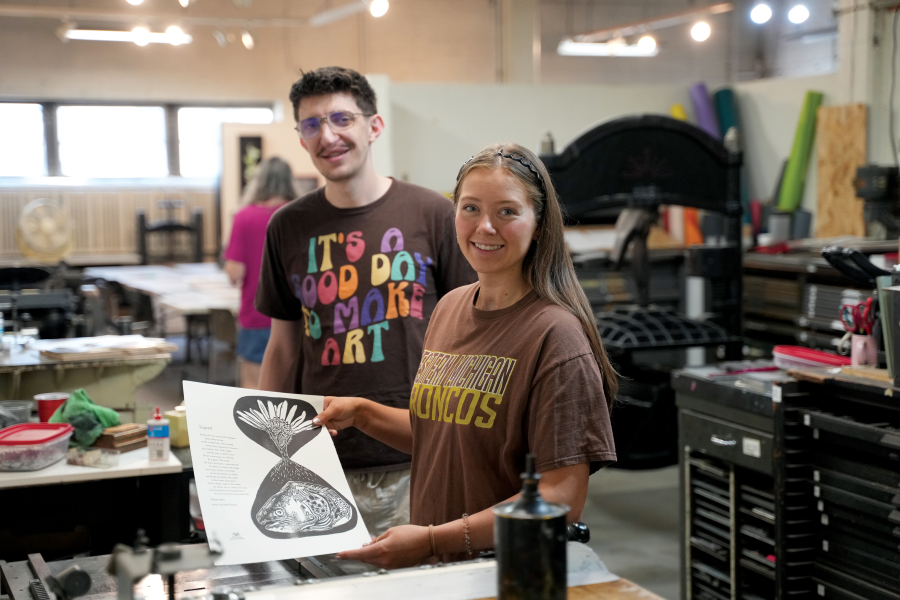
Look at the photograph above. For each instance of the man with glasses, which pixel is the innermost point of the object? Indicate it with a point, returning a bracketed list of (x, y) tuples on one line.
[(350, 276)]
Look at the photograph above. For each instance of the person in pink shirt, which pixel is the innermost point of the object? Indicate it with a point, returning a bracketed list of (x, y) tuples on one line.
[(271, 188)]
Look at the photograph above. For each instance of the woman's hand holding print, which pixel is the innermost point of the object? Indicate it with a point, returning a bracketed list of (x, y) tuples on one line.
[(339, 413), (398, 547)]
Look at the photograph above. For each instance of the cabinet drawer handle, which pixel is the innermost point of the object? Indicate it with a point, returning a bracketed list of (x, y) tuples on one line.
[(721, 442)]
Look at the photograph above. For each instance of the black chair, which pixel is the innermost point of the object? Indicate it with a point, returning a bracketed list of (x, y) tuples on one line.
[(169, 227)]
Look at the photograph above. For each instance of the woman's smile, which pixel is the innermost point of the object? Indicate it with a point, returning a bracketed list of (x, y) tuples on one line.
[(486, 247)]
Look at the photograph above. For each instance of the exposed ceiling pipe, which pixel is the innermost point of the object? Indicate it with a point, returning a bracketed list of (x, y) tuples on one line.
[(338, 12), (86, 14), (656, 23), (66, 13)]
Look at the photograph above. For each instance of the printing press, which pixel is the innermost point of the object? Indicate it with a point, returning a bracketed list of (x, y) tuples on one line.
[(622, 171), (182, 572)]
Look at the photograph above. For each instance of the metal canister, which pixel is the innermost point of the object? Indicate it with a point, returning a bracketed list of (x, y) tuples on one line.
[(530, 541)]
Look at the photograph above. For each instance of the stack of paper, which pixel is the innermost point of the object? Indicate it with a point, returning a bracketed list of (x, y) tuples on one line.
[(106, 346)]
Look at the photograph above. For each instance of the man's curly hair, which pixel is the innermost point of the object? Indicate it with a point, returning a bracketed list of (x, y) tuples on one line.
[(333, 80)]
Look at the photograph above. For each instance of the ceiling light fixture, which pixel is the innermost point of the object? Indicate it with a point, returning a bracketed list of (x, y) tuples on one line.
[(64, 29), (761, 13), (175, 35), (798, 14), (647, 42), (135, 2), (612, 48), (247, 39), (378, 8), (655, 23), (141, 38), (701, 31), (184, 3), (140, 35)]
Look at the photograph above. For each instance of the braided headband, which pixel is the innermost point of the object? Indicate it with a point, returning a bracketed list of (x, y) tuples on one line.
[(518, 159)]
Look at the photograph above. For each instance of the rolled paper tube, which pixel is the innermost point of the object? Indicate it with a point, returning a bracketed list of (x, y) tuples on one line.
[(692, 234), (726, 109), (755, 215), (791, 193), (706, 116), (677, 111)]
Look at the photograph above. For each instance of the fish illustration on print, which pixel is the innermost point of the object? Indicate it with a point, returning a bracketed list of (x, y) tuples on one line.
[(292, 501)]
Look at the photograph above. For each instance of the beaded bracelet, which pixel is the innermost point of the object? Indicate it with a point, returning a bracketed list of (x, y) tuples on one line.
[(465, 519)]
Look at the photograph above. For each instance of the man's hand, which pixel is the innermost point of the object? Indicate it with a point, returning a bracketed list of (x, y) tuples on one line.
[(398, 547)]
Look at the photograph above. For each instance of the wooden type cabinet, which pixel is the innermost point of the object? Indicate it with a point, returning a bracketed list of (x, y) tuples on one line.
[(748, 512)]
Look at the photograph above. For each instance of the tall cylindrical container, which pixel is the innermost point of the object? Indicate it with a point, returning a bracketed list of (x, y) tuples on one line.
[(530, 541), (158, 437)]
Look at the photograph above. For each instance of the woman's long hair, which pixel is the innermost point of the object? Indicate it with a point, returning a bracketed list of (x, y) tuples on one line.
[(547, 266), (273, 179)]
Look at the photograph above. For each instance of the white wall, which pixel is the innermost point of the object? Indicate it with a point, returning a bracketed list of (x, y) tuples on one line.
[(769, 110), (437, 127)]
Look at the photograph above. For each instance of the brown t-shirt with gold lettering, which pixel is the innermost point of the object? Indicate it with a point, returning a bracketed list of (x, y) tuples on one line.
[(492, 386)]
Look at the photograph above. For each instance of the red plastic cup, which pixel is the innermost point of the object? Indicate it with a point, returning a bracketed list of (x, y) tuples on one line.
[(48, 403)]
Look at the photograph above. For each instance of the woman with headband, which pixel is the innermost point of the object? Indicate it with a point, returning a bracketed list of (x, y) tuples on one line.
[(512, 364)]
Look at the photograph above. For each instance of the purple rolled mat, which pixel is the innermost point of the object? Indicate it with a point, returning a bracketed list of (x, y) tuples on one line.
[(703, 108)]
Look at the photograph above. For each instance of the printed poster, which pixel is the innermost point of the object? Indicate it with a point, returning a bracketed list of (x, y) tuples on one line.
[(270, 484)]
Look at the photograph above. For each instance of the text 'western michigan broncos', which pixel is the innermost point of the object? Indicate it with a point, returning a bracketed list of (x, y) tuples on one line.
[(465, 389)]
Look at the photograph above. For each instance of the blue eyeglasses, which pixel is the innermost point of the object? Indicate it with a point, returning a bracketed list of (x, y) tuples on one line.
[(337, 120)]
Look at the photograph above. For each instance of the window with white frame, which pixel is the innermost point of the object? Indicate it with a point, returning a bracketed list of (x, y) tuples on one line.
[(117, 140), (22, 146), (112, 141)]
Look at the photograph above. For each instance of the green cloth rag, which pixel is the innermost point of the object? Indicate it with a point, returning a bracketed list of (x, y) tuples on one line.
[(88, 419)]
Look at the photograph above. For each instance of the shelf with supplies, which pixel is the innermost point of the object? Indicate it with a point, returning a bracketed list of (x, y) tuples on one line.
[(795, 299), (791, 491)]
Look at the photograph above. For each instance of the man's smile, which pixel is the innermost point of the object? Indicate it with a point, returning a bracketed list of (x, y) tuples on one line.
[(333, 153)]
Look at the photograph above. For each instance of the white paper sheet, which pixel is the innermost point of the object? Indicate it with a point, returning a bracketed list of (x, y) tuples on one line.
[(271, 486)]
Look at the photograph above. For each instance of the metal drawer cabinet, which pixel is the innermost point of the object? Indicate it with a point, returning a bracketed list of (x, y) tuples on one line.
[(726, 440)]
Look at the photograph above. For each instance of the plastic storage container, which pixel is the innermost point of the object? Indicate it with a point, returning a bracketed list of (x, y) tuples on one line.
[(33, 446), (19, 409), (798, 357)]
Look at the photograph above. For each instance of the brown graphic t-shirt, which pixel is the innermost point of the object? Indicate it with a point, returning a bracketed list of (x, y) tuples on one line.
[(492, 386), (365, 282)]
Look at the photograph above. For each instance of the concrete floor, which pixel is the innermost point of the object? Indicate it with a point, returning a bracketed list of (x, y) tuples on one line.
[(633, 515)]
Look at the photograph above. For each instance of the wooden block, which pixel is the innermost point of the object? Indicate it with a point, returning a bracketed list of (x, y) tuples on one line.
[(840, 149), (121, 435), (868, 372)]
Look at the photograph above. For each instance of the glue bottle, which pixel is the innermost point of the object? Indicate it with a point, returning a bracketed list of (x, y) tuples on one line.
[(158, 437)]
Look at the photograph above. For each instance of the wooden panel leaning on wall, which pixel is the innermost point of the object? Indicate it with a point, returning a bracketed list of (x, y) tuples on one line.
[(840, 149), (104, 220)]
